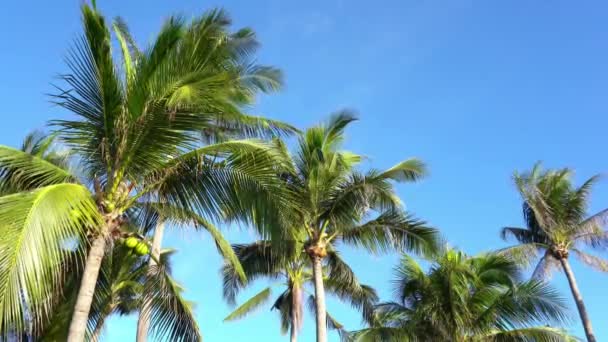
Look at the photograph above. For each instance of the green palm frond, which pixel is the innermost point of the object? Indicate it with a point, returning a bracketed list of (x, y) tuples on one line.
[(250, 305), (343, 283), (535, 334), (171, 316), (410, 170), (259, 259), (185, 217), (393, 230), (39, 228), (21, 170)]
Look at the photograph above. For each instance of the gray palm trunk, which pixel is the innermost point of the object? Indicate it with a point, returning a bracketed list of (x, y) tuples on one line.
[(294, 330), (80, 317), (296, 301), (321, 313), (143, 323), (578, 298)]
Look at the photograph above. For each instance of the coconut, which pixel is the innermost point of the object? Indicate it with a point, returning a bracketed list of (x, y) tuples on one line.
[(142, 249), (131, 242)]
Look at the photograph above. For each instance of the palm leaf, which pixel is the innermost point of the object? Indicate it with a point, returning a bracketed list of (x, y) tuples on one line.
[(250, 305), (21, 170), (410, 170), (38, 228), (171, 315)]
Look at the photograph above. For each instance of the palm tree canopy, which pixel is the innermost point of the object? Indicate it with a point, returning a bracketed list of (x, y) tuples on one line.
[(332, 199), (137, 135), (463, 298), (557, 220)]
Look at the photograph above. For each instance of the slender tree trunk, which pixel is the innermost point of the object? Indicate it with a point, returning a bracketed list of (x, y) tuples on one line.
[(296, 312), (143, 323), (319, 299), (294, 332), (578, 298), (87, 289)]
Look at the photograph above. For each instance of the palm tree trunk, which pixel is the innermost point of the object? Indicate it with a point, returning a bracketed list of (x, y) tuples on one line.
[(321, 312), (294, 332), (143, 323), (80, 317), (578, 298), (296, 312)]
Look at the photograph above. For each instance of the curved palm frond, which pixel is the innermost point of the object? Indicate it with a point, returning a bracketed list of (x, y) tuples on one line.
[(393, 230), (39, 231), (26, 170), (250, 305), (171, 315)]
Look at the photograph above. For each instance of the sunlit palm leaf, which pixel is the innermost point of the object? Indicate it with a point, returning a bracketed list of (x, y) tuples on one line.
[(250, 305), (21, 170), (38, 228)]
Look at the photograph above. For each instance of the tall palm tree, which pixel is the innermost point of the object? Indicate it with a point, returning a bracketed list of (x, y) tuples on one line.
[(557, 224), (330, 199), (462, 298), (290, 266), (137, 137)]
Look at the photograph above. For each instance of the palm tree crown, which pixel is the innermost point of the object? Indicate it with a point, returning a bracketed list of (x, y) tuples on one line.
[(462, 298)]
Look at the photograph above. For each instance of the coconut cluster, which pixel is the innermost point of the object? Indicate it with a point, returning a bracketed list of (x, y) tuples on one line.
[(137, 245)]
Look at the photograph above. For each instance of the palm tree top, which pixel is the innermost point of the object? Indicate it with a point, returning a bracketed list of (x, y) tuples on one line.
[(466, 298), (557, 221)]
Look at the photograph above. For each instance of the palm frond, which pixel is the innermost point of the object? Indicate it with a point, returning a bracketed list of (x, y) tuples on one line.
[(258, 259), (410, 170), (21, 170), (393, 230), (39, 228), (535, 334), (250, 305), (343, 283), (171, 316), (593, 261)]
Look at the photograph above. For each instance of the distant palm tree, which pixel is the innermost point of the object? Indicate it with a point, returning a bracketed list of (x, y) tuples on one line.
[(137, 138), (466, 299), (331, 201), (557, 224), (290, 266)]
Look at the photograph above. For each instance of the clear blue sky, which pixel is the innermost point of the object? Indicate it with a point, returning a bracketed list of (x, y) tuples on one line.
[(477, 89)]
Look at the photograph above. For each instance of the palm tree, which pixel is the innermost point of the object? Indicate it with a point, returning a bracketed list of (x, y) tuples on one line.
[(137, 138), (290, 266), (557, 224), (330, 199), (462, 298)]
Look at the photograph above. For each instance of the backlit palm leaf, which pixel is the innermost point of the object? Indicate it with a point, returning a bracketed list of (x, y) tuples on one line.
[(38, 228)]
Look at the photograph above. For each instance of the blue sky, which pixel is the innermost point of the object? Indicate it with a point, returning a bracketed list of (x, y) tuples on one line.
[(477, 89)]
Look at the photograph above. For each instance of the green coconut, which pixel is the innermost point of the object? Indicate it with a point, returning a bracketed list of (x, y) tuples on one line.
[(142, 249), (131, 242)]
